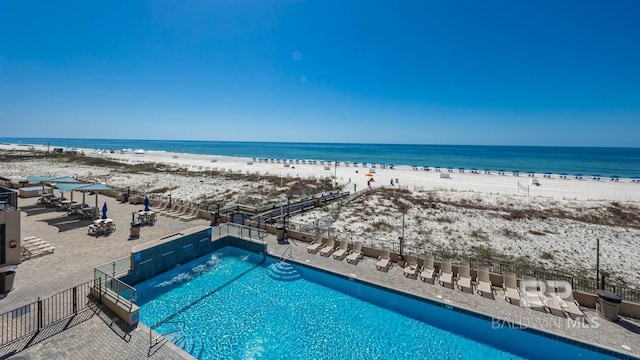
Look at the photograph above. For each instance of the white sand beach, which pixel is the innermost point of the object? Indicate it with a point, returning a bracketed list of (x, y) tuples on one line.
[(553, 225)]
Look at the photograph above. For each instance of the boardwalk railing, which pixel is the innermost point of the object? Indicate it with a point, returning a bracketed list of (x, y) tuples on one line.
[(31, 319)]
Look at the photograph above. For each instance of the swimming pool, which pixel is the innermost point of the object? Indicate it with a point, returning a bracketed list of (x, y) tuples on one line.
[(235, 304)]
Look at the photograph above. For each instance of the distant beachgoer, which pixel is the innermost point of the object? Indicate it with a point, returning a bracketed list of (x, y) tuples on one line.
[(369, 184), (356, 171), (391, 181)]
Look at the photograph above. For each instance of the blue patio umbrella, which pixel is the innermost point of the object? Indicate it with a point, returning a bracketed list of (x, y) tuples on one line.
[(146, 203), (104, 210)]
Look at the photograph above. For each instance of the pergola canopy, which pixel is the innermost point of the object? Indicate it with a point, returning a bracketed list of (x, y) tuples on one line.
[(51, 179), (82, 187)]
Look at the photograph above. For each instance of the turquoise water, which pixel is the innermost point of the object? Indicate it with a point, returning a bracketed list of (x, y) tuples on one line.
[(230, 305), (624, 162)]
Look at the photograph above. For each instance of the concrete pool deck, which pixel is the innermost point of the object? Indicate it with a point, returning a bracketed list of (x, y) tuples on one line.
[(95, 333)]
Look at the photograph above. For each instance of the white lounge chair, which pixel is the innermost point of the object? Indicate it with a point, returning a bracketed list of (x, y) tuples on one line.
[(566, 301), (531, 289), (316, 245), (428, 269), (446, 274), (162, 206), (464, 278), (483, 282), (550, 298), (510, 286), (384, 260), (184, 211), (342, 250), (411, 267), (328, 247), (190, 215), (356, 253)]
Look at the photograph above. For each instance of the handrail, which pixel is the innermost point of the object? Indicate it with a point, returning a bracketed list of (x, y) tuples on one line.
[(290, 251), (153, 341), (237, 230), (117, 267), (116, 287)]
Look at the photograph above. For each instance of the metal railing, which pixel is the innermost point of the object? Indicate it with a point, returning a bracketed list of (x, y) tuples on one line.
[(32, 318), (239, 231), (154, 340), (107, 282), (116, 268), (289, 251), (8, 199), (122, 292)]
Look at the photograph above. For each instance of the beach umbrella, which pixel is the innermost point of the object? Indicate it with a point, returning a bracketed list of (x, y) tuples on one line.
[(104, 210), (369, 174), (146, 203)]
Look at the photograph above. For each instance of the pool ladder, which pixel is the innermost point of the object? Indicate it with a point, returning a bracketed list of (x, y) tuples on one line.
[(287, 254), (153, 341)]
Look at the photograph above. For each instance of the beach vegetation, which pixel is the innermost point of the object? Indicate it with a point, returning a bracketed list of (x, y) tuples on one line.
[(445, 219), (479, 234), (546, 255), (512, 234)]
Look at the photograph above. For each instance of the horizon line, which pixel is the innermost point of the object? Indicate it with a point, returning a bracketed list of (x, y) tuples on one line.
[(323, 142)]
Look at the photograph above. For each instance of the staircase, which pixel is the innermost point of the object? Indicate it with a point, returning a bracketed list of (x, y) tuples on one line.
[(33, 247), (283, 271)]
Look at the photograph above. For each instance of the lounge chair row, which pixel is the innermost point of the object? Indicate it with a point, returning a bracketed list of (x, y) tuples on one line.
[(176, 211), (446, 277), (326, 248), (551, 296), (555, 297)]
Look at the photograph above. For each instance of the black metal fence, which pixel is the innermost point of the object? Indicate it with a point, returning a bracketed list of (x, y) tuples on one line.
[(581, 284), (585, 285), (37, 316)]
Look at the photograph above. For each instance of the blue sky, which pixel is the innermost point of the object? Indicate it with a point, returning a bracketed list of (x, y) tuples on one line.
[(426, 72)]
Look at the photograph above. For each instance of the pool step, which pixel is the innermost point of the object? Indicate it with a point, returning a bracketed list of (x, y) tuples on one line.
[(283, 271)]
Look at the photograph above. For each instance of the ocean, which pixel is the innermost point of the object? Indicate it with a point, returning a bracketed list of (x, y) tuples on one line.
[(603, 161)]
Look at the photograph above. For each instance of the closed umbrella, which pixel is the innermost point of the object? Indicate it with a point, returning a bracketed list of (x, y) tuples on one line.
[(104, 210), (146, 203)]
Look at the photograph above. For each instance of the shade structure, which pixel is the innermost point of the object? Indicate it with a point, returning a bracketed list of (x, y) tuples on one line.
[(52, 179), (84, 188), (146, 203), (104, 210)]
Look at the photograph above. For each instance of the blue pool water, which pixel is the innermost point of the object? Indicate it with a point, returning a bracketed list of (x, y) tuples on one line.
[(230, 304)]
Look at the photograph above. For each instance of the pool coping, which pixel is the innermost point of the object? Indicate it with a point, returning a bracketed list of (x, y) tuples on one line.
[(598, 348)]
